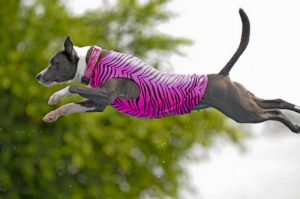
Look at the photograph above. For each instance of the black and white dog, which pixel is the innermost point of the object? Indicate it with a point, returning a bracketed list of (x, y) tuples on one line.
[(231, 98)]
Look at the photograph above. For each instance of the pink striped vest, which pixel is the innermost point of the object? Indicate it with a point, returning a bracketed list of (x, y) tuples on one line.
[(161, 95)]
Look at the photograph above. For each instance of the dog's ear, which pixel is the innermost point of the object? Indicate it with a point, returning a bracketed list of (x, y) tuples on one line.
[(68, 46)]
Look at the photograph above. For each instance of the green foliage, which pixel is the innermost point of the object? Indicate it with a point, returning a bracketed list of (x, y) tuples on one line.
[(96, 155)]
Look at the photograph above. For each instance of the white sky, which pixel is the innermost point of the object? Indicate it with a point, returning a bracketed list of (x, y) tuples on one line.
[(269, 68)]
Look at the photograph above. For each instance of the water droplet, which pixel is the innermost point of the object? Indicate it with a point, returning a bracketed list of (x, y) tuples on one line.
[(70, 186)]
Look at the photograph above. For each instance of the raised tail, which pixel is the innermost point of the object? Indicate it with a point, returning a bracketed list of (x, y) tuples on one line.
[(243, 44)]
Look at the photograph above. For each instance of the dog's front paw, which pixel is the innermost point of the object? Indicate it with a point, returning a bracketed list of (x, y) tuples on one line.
[(52, 116), (55, 98)]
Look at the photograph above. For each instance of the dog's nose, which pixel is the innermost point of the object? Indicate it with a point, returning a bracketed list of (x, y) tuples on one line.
[(39, 76)]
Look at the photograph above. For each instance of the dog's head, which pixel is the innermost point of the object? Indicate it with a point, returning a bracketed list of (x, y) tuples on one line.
[(62, 67)]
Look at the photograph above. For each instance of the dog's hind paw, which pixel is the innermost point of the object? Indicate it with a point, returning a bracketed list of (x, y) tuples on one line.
[(297, 108), (296, 129)]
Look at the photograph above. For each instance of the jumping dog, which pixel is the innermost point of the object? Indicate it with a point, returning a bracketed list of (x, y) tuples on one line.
[(135, 88)]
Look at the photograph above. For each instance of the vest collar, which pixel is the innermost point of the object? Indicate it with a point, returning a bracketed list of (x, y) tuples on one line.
[(92, 62)]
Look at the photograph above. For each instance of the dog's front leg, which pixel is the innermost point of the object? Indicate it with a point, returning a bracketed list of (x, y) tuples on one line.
[(98, 98), (85, 106), (100, 95)]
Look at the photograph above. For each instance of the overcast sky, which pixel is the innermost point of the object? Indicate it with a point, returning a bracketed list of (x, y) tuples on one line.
[(269, 68)]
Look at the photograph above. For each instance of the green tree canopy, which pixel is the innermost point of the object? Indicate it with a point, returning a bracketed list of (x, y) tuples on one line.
[(96, 155)]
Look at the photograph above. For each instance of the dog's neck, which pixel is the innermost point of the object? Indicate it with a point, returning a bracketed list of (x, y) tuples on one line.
[(82, 53)]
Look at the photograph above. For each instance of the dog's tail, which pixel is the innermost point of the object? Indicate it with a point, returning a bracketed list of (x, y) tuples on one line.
[(243, 44)]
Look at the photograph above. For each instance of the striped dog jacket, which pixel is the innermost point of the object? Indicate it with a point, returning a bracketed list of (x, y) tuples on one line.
[(161, 94)]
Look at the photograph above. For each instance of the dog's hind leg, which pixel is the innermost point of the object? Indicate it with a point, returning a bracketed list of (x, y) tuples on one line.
[(276, 104), (279, 116), (236, 102)]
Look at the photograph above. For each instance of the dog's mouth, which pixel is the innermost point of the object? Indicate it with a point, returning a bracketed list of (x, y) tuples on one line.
[(48, 83)]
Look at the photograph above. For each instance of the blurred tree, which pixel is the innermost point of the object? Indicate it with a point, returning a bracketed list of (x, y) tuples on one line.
[(94, 155)]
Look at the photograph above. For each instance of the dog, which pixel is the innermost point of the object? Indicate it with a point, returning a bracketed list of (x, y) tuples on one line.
[(136, 89)]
